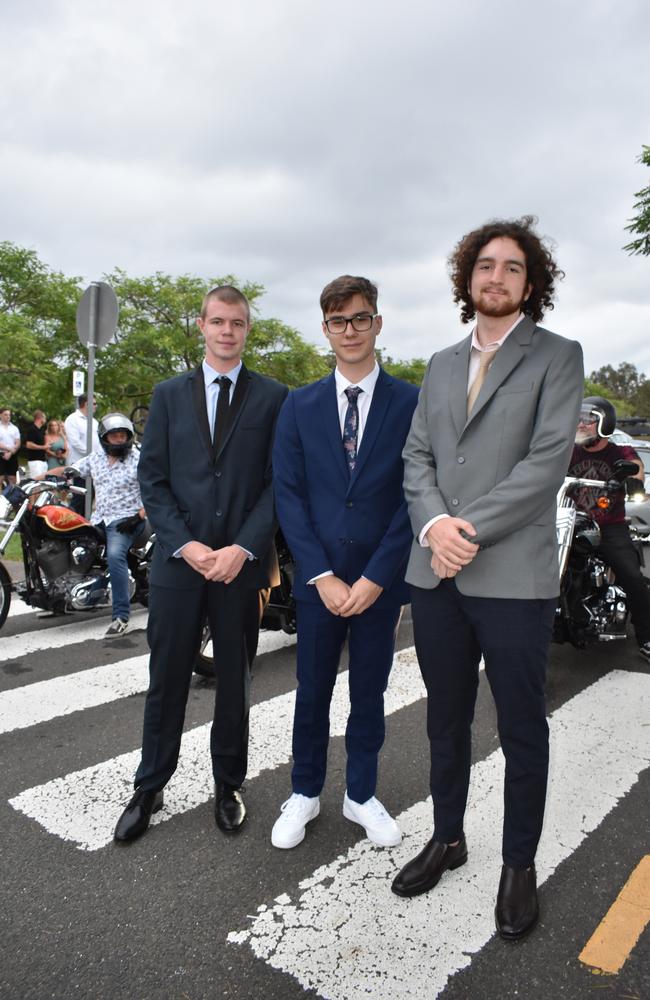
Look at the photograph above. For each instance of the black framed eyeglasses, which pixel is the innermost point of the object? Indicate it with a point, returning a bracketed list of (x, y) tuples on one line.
[(361, 322)]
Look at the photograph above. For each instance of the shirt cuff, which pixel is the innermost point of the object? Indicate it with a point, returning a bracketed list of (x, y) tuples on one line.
[(319, 577), (422, 537)]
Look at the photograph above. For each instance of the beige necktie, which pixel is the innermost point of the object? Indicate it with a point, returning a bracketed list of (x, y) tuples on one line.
[(485, 360)]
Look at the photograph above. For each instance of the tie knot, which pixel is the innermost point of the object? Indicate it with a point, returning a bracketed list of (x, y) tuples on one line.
[(224, 382), (352, 392), (486, 358)]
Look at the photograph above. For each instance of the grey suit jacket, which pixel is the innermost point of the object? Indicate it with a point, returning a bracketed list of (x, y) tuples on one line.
[(501, 469)]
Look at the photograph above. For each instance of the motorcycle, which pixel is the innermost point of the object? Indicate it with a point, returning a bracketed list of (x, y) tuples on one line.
[(65, 564), (63, 554), (591, 606)]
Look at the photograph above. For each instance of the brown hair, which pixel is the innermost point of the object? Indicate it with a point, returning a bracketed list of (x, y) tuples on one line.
[(339, 291), (229, 294), (541, 269)]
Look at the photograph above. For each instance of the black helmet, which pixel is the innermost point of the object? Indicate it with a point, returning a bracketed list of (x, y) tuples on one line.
[(115, 422), (600, 409)]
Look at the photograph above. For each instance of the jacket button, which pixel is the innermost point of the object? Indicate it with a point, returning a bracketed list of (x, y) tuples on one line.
[(217, 475), (455, 502), (219, 513), (461, 460), (349, 503)]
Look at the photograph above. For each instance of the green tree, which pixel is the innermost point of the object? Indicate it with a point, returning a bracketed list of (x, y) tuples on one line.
[(37, 332), (640, 223), (158, 337), (410, 371), (623, 382)]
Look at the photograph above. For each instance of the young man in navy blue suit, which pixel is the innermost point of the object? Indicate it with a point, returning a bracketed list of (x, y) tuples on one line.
[(337, 472)]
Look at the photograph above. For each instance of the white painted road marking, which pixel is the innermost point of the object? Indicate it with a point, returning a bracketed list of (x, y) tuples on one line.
[(348, 937), (84, 806), (45, 700), (61, 635), (18, 607)]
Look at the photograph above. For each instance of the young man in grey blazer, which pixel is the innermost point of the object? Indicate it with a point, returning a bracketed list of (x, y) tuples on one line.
[(487, 451)]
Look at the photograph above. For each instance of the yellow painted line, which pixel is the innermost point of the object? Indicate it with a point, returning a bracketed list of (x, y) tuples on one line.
[(623, 924)]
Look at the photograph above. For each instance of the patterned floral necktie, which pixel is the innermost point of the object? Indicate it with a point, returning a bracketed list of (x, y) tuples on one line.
[(351, 426)]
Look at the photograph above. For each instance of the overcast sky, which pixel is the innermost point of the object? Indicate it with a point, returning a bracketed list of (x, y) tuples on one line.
[(288, 141)]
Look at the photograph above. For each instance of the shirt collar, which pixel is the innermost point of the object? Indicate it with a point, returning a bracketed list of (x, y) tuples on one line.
[(209, 374), (367, 383), (495, 344)]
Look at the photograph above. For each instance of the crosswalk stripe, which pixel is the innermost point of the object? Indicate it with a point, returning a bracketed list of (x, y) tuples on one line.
[(44, 700), (83, 807), (348, 937), (18, 607), (61, 635)]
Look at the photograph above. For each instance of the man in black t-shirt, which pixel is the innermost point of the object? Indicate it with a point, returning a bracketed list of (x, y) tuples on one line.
[(593, 457), (35, 444)]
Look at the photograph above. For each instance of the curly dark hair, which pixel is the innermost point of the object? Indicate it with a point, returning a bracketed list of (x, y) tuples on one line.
[(541, 269)]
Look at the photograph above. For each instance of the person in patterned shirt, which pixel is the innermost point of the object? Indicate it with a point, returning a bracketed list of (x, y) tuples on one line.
[(593, 457), (118, 505)]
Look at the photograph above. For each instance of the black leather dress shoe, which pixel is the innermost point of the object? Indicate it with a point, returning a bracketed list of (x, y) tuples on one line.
[(136, 817), (424, 871), (229, 809), (516, 911)]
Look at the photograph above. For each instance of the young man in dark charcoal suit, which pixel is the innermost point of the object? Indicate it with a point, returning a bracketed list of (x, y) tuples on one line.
[(205, 478)]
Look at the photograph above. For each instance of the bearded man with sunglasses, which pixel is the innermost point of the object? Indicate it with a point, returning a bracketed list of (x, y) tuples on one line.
[(337, 475)]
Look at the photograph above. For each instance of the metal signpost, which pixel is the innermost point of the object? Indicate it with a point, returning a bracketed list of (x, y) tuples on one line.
[(97, 315)]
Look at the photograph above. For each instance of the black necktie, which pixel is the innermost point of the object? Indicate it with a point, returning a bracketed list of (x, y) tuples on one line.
[(221, 413)]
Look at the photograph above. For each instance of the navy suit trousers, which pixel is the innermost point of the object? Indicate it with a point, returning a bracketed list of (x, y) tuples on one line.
[(452, 631), (321, 636)]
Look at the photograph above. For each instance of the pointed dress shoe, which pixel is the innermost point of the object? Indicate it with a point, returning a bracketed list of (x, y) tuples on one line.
[(136, 817), (517, 910), (425, 870), (229, 809)]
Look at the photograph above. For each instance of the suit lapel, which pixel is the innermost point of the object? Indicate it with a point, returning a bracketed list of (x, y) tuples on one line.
[(458, 385), (331, 423), (199, 405), (242, 389), (380, 401)]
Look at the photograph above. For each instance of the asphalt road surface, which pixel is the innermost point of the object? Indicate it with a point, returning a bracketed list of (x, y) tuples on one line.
[(186, 913)]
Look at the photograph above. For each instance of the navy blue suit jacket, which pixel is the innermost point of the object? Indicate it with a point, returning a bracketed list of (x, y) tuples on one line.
[(191, 493), (352, 525)]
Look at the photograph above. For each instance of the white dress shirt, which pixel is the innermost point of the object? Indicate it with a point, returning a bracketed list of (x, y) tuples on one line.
[(212, 389)]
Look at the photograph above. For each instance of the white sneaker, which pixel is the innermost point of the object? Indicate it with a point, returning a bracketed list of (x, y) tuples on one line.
[(289, 829), (380, 827)]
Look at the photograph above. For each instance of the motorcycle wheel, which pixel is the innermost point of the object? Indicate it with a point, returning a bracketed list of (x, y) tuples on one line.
[(5, 594), (204, 663)]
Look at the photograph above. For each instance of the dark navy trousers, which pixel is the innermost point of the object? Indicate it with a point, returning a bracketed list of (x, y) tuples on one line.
[(321, 636), (452, 631), (174, 632)]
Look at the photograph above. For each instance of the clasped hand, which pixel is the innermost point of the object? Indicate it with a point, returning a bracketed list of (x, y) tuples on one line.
[(450, 549), (220, 565), (345, 601)]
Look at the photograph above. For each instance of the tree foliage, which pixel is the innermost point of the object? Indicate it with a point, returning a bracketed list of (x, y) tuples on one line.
[(628, 389), (37, 331), (640, 223), (157, 337)]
